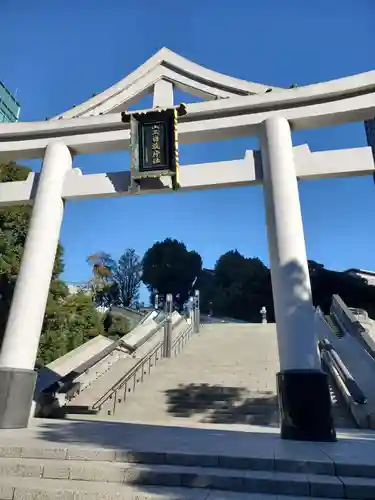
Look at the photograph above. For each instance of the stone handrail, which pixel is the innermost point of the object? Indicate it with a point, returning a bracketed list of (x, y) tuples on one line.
[(67, 384), (350, 324), (330, 356), (344, 316), (347, 386)]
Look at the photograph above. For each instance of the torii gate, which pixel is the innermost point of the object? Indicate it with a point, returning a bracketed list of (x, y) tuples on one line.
[(233, 108)]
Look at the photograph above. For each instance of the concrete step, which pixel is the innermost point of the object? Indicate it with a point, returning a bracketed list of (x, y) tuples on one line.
[(40, 472), (50, 489), (31, 477), (305, 459)]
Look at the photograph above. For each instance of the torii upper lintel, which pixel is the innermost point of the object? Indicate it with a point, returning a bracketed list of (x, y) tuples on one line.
[(165, 65)]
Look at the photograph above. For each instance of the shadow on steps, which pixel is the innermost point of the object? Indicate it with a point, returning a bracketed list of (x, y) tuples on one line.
[(220, 404)]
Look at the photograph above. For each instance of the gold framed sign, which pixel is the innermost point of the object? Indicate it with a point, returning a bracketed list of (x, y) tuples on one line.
[(154, 143)]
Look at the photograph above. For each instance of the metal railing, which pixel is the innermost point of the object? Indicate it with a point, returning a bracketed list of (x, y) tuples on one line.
[(137, 374), (164, 349), (181, 340)]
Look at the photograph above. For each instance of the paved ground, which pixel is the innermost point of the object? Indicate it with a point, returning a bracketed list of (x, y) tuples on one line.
[(353, 446)]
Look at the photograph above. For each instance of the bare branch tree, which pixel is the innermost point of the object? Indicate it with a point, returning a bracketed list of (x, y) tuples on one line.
[(115, 283)]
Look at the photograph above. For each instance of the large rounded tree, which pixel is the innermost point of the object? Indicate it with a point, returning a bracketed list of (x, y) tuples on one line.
[(168, 267), (242, 287)]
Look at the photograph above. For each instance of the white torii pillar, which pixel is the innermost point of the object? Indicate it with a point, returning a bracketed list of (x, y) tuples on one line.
[(304, 398), (25, 320)]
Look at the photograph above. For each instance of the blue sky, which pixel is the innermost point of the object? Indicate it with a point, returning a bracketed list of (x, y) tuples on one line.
[(56, 54)]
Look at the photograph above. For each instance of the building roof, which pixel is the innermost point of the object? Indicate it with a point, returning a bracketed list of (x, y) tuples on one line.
[(360, 271)]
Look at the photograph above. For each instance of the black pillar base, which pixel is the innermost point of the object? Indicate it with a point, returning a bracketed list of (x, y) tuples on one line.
[(16, 397), (305, 406)]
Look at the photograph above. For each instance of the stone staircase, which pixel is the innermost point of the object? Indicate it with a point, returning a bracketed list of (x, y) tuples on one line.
[(181, 435), (150, 462), (226, 374)]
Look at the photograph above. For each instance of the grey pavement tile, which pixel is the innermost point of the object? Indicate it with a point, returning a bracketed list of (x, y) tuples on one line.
[(38, 493), (354, 468), (187, 459), (152, 476), (293, 497), (10, 451), (231, 483), (165, 493), (229, 495), (355, 460), (251, 463), (273, 483), (55, 469), (304, 465), (352, 447), (212, 478), (358, 487), (6, 492), (48, 453), (98, 472), (20, 468), (83, 490), (288, 483), (146, 457), (91, 454), (325, 486)]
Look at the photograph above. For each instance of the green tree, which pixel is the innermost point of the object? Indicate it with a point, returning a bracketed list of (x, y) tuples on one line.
[(168, 267), (69, 322), (242, 287), (206, 284)]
